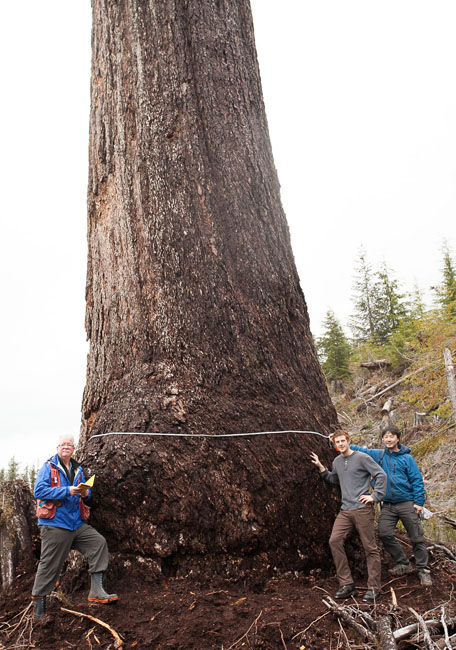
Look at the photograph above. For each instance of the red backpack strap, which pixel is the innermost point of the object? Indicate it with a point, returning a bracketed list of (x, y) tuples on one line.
[(55, 476)]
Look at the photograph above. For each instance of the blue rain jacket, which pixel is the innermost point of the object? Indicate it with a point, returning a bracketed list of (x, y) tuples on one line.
[(405, 482), (68, 515)]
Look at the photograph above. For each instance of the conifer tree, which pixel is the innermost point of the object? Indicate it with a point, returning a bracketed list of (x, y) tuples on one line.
[(12, 472), (25, 474), (415, 304), (32, 476), (334, 349), (446, 291), (389, 307), (362, 321), (379, 306), (2, 475)]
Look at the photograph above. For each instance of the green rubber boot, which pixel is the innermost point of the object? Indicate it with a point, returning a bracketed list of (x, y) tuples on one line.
[(97, 593)]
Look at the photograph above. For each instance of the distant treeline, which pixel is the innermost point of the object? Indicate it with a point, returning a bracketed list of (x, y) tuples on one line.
[(387, 322), (13, 472)]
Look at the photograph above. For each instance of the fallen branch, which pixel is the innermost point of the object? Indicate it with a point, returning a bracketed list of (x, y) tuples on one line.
[(118, 643), (385, 633), (408, 630), (443, 548), (378, 363), (348, 618), (245, 633), (371, 389), (448, 520), (345, 635), (396, 383), (283, 640), (422, 624), (23, 616), (393, 598), (309, 626), (445, 629)]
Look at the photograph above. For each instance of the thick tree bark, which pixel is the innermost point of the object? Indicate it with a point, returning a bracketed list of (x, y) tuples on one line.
[(196, 319), (18, 528)]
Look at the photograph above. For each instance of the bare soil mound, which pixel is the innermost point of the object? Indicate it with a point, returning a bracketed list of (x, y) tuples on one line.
[(279, 612)]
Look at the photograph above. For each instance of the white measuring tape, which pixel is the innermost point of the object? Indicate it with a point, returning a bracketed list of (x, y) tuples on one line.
[(203, 435)]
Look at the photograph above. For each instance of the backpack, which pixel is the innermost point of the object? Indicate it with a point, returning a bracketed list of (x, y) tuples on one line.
[(47, 509)]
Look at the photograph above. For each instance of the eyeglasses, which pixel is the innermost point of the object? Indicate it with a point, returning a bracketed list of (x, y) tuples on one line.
[(66, 446)]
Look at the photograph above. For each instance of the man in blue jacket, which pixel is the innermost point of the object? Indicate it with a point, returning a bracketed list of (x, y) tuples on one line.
[(66, 530), (404, 500)]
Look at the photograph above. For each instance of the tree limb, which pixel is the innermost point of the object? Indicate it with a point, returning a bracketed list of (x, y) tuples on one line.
[(342, 613), (422, 624), (385, 633), (118, 643)]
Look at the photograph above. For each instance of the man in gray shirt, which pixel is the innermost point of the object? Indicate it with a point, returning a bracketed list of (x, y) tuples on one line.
[(353, 471)]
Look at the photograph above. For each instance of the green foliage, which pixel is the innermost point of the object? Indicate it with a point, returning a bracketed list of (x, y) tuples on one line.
[(389, 308), (362, 322), (32, 476), (446, 291), (426, 446), (12, 472), (379, 307), (334, 349), (428, 388)]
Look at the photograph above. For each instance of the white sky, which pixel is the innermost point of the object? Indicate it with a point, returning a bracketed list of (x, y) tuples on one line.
[(361, 103)]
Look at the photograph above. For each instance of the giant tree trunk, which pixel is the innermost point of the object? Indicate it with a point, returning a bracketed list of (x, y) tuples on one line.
[(196, 319)]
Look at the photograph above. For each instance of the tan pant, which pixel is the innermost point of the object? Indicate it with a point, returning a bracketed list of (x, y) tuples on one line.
[(363, 520)]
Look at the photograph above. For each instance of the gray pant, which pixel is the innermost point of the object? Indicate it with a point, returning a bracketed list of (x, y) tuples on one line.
[(56, 543), (390, 514)]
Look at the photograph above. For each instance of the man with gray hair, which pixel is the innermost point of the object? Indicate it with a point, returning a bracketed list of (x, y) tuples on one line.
[(60, 511)]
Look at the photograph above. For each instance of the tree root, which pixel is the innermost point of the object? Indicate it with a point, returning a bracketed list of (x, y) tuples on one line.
[(118, 643)]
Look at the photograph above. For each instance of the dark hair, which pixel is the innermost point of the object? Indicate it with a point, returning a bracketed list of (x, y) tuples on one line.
[(394, 430)]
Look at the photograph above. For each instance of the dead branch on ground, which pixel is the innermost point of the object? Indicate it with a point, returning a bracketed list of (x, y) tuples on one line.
[(341, 612), (245, 633), (422, 624), (118, 643), (385, 633)]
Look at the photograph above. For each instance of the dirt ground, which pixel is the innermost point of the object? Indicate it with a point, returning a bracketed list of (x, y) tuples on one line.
[(281, 612)]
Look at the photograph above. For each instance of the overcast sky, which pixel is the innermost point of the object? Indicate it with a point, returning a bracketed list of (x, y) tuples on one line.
[(361, 104)]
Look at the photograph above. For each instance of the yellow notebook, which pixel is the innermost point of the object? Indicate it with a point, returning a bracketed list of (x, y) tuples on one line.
[(88, 483)]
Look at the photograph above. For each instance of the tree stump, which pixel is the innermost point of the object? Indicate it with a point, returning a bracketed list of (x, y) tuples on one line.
[(18, 527), (337, 386), (419, 419)]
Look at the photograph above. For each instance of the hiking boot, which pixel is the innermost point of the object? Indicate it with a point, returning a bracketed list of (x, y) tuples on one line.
[(371, 596), (97, 593), (39, 606), (346, 591), (425, 578), (401, 569)]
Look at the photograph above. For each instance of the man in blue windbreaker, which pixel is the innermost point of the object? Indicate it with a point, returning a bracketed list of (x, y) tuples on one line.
[(66, 530), (404, 500)]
